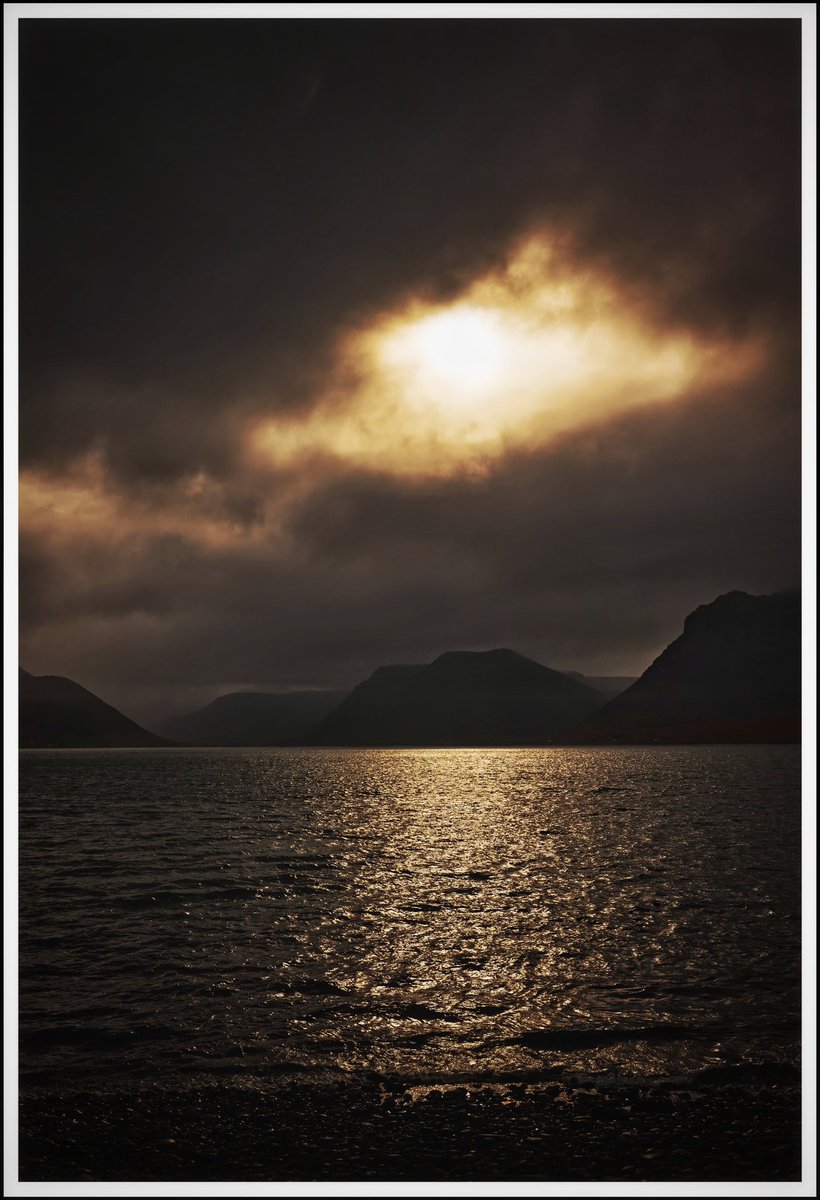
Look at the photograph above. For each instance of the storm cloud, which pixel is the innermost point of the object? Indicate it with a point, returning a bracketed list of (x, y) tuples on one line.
[(212, 210)]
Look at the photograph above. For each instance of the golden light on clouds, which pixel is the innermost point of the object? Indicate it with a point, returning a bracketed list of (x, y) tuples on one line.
[(85, 505), (462, 352), (525, 353)]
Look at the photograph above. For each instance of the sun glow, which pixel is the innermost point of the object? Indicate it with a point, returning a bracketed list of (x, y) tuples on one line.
[(463, 350), (526, 352)]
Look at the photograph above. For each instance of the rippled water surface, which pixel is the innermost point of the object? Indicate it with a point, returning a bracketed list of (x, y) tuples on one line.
[(428, 913)]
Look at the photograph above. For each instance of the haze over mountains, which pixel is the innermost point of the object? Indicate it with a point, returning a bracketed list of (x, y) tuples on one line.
[(732, 676), (253, 718), (608, 685)]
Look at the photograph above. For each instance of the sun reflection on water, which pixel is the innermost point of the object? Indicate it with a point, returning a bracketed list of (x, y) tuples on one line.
[(431, 914), (512, 897)]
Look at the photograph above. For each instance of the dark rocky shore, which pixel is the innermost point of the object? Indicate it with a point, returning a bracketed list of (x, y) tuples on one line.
[(731, 1127)]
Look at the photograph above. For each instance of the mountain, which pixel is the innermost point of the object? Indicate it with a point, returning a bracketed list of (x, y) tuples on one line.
[(732, 676), (253, 718), (58, 712), (608, 685), (463, 698)]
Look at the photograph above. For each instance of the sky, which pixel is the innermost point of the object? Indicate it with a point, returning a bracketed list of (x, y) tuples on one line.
[(348, 342)]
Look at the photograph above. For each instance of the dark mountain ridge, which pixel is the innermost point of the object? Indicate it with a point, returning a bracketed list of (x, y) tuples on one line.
[(462, 698), (608, 685), (732, 676), (55, 711)]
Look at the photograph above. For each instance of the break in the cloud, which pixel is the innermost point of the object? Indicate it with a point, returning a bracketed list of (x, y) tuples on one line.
[(350, 341), (532, 349)]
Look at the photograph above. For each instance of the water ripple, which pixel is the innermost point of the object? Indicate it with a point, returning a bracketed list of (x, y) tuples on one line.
[(626, 911)]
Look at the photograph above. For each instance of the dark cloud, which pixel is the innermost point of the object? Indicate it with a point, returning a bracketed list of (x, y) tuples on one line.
[(207, 205), (587, 554)]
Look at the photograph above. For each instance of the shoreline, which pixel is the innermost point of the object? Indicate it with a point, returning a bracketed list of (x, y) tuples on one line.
[(403, 1131)]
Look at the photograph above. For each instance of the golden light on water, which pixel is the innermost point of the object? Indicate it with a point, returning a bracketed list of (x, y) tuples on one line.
[(526, 352)]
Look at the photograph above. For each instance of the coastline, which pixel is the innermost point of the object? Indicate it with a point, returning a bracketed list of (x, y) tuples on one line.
[(741, 1124)]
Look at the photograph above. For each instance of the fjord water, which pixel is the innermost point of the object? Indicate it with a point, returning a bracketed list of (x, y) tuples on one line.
[(246, 915)]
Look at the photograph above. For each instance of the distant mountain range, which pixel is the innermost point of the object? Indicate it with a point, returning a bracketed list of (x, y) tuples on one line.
[(253, 718), (58, 712), (274, 718), (608, 685), (732, 676), (495, 698)]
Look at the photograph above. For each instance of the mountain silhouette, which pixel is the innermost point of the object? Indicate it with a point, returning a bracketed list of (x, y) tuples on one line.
[(608, 685), (55, 711), (732, 676), (463, 698), (253, 718)]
